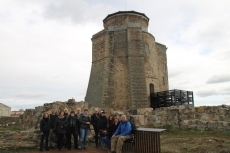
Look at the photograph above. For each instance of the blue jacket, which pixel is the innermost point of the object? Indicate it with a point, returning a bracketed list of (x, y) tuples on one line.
[(124, 129)]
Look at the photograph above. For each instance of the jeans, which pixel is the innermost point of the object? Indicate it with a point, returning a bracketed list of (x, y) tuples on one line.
[(83, 137), (105, 142)]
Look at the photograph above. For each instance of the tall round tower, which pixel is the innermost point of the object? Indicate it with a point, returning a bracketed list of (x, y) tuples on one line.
[(127, 63)]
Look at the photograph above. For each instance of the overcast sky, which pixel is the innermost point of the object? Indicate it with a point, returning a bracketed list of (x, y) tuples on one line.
[(46, 50)]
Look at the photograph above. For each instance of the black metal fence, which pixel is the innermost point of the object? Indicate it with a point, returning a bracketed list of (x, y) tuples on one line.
[(171, 98)]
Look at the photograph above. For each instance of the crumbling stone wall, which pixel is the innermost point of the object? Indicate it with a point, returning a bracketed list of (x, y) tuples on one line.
[(183, 117), (8, 120), (186, 117), (31, 117)]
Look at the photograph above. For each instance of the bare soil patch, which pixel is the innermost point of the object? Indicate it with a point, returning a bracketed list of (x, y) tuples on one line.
[(194, 141)]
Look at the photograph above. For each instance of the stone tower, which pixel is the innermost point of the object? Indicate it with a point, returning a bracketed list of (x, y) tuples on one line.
[(127, 63)]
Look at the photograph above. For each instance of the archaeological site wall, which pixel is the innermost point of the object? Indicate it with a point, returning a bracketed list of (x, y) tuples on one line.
[(215, 118)]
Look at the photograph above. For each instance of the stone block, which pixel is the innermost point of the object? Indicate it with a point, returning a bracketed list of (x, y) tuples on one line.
[(201, 109), (185, 122), (214, 117), (205, 117), (151, 119), (144, 111), (223, 111), (194, 127)]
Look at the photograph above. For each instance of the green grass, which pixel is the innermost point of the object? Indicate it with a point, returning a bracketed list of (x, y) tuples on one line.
[(171, 131), (11, 129)]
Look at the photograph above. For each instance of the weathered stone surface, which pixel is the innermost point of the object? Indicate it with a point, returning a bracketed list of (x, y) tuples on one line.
[(126, 60), (145, 111)]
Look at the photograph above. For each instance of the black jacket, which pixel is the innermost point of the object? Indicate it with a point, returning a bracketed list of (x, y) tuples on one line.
[(95, 120), (60, 125), (52, 120), (83, 120), (102, 123), (73, 124), (44, 125)]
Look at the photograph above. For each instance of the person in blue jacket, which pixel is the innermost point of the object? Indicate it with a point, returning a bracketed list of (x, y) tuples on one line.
[(123, 132)]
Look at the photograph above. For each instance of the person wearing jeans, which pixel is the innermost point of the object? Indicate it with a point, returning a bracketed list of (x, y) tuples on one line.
[(84, 129)]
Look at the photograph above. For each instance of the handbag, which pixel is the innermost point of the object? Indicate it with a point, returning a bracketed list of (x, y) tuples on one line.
[(103, 132), (54, 138)]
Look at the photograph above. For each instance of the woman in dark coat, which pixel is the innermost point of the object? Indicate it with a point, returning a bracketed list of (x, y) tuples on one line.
[(110, 125), (45, 130), (72, 129), (60, 129)]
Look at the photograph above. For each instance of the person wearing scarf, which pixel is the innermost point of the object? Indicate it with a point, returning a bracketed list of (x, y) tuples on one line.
[(60, 129), (45, 130), (72, 129)]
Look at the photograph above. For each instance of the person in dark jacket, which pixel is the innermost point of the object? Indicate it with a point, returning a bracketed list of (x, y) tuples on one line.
[(95, 122), (45, 130), (66, 113), (78, 115), (52, 118), (84, 129), (104, 139), (72, 129), (60, 129), (116, 124), (110, 126)]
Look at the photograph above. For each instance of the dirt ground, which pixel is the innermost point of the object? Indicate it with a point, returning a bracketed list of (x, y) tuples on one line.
[(194, 141), (172, 141)]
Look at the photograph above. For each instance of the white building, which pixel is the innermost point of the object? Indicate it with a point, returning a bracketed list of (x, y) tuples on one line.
[(4, 110)]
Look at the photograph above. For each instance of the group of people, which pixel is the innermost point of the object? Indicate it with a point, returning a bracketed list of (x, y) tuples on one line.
[(110, 132)]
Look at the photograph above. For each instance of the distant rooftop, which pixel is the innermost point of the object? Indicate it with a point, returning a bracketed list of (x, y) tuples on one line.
[(4, 105)]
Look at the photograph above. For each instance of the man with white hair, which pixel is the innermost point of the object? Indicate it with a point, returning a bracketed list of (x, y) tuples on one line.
[(78, 113), (95, 118), (123, 132)]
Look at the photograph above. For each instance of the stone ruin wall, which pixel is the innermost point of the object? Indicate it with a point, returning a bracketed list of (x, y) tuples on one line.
[(215, 118)]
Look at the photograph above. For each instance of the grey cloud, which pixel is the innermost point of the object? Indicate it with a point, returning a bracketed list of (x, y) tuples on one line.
[(73, 9), (173, 72), (77, 11), (206, 93), (218, 79), (31, 95)]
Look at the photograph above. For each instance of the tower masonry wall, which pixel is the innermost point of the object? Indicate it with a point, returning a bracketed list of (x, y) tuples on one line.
[(126, 60)]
